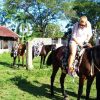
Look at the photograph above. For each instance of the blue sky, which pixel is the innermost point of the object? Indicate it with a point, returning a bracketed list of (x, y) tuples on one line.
[(62, 24), (1, 1)]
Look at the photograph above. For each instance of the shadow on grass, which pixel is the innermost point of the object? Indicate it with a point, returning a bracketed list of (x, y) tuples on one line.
[(38, 89), (73, 94), (5, 64)]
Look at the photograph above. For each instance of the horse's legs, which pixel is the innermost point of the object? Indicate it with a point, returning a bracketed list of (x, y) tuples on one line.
[(41, 61), (18, 60), (44, 60), (98, 85), (62, 78), (55, 69), (89, 83), (80, 89), (22, 60), (14, 61)]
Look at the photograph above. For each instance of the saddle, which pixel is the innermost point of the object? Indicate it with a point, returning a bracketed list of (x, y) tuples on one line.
[(78, 58)]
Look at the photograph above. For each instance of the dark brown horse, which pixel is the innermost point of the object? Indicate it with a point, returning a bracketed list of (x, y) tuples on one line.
[(17, 52), (90, 61), (98, 85), (44, 52)]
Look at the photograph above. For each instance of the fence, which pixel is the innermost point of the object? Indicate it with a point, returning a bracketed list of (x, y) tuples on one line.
[(40, 42)]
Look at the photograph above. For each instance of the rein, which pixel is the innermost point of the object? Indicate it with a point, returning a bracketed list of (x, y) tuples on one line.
[(81, 56)]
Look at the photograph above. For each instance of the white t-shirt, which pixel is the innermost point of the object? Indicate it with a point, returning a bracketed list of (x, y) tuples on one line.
[(81, 34)]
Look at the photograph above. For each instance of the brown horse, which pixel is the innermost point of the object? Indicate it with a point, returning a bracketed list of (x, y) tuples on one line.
[(90, 61), (17, 52), (44, 52), (98, 85)]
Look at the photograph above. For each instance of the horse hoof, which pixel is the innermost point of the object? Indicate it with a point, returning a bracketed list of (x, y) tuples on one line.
[(14, 66), (66, 98), (52, 94), (64, 94)]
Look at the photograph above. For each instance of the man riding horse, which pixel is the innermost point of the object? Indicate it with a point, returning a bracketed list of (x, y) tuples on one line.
[(81, 33)]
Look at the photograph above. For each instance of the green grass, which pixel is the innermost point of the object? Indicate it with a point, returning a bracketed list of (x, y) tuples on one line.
[(21, 84)]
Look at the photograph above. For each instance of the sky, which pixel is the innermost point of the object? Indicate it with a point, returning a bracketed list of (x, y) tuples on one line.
[(62, 24), (1, 1)]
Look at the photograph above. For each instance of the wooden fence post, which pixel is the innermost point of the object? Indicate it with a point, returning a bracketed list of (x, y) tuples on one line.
[(29, 65)]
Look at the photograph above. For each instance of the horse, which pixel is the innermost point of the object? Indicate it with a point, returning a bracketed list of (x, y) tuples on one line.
[(98, 85), (43, 52), (17, 52), (90, 61)]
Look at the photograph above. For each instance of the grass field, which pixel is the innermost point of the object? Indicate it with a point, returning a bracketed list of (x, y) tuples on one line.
[(21, 84)]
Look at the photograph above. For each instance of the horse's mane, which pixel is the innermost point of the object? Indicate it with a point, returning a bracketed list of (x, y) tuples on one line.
[(96, 54), (95, 50), (93, 54), (96, 47)]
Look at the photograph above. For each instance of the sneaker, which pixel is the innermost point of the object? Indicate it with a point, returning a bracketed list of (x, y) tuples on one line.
[(71, 69), (72, 72)]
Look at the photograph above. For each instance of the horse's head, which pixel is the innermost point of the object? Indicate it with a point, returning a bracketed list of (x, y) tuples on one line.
[(21, 49), (14, 52), (90, 63), (22, 46), (53, 47)]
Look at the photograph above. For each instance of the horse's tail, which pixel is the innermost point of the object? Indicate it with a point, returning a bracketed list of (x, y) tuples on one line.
[(50, 58)]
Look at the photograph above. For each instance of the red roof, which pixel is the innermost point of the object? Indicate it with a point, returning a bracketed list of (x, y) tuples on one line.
[(5, 32)]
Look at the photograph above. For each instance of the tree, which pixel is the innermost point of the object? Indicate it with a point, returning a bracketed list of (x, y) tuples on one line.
[(3, 19), (39, 12), (76, 8), (53, 30), (89, 8)]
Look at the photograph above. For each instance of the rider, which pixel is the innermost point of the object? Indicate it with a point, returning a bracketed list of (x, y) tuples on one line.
[(81, 33)]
